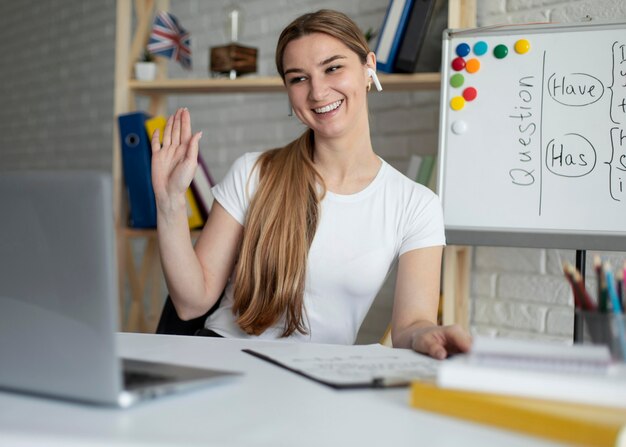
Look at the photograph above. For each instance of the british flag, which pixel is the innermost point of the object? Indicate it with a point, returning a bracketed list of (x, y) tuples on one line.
[(169, 39)]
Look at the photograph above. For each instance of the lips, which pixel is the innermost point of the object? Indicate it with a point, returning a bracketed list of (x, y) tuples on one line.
[(328, 108)]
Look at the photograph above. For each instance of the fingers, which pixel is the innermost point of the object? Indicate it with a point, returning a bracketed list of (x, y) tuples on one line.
[(176, 128), (192, 153), (185, 130), (440, 342), (167, 133), (155, 143), (457, 339)]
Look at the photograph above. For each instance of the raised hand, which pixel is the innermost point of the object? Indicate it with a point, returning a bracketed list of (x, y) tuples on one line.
[(174, 162)]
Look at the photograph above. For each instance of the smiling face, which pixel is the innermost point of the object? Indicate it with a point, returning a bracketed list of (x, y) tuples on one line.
[(327, 85)]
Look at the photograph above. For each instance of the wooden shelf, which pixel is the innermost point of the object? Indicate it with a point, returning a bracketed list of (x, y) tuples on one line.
[(267, 84)]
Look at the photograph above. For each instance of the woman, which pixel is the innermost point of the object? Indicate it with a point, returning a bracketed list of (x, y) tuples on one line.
[(302, 237)]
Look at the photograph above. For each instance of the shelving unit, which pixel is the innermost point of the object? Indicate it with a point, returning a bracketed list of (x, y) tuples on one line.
[(462, 14)]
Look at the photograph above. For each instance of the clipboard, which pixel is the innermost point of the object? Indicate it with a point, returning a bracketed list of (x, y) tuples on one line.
[(351, 367)]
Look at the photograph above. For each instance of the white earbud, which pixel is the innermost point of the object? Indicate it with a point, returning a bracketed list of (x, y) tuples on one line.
[(372, 73)]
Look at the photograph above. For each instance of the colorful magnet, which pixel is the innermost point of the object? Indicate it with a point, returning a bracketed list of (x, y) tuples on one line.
[(470, 93), (457, 80), (522, 46), (480, 48), (500, 51), (462, 49), (459, 127), (457, 103), (472, 65), (458, 64)]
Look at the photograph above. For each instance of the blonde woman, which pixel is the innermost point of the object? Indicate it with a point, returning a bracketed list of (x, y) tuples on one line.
[(301, 238)]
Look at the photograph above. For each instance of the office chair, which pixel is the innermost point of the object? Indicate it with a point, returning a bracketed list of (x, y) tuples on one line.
[(171, 324)]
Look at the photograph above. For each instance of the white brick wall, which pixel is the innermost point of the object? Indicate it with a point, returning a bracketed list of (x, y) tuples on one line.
[(56, 86)]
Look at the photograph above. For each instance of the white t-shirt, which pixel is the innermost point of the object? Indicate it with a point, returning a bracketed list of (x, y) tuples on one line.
[(358, 239)]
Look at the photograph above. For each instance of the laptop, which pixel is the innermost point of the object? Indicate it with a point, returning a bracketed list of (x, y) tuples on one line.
[(59, 299)]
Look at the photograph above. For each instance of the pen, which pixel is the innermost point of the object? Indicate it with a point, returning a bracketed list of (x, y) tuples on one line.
[(602, 286), (617, 309)]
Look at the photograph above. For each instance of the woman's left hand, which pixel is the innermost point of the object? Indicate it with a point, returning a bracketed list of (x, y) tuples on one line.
[(441, 341)]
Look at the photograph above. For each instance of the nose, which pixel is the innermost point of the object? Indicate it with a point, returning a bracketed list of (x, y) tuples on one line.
[(319, 88)]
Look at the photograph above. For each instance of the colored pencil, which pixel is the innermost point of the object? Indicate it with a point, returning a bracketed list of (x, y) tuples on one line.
[(603, 295)]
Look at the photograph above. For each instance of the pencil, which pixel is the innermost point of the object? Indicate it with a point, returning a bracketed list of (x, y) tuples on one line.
[(619, 285), (586, 302), (603, 295), (617, 309), (570, 279)]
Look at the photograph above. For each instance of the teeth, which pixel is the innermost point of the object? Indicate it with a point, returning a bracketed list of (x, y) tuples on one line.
[(329, 107)]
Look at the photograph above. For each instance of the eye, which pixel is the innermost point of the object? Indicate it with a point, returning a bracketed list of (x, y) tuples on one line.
[(333, 68), (296, 79)]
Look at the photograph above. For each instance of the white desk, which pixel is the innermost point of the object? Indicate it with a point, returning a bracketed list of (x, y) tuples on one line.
[(268, 406)]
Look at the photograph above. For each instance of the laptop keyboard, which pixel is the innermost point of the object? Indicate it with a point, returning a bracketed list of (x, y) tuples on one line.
[(133, 379)]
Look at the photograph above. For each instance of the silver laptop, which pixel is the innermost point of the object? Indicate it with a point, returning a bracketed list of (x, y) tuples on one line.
[(58, 295)]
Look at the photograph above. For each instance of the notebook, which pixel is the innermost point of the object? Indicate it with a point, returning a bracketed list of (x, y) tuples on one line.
[(58, 296)]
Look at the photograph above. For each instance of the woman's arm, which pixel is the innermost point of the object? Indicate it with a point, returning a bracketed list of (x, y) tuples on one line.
[(416, 300), (195, 278)]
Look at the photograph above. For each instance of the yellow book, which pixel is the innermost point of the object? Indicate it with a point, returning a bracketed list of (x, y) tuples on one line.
[(152, 124), (193, 211), (564, 422)]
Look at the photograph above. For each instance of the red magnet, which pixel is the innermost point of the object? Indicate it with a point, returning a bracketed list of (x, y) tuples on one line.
[(470, 93), (458, 64)]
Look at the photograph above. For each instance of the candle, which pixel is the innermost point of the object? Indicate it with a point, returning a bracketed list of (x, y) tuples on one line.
[(234, 25)]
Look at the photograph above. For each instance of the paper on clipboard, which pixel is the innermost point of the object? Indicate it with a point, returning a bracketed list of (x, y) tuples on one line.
[(359, 366)]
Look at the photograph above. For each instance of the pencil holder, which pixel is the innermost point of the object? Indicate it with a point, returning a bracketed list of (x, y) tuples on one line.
[(606, 329)]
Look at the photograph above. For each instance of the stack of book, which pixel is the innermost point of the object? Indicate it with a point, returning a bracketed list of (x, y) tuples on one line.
[(410, 37), (136, 130), (574, 394)]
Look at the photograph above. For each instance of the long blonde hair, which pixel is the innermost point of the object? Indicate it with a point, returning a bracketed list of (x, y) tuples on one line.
[(284, 211)]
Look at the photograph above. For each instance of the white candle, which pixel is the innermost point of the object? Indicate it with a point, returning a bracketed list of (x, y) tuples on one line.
[(234, 25)]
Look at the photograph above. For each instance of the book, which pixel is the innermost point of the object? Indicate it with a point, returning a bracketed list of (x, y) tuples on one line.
[(201, 185), (194, 215), (572, 423), (426, 169), (136, 167), (420, 47), (576, 374), (352, 366), (414, 166), (432, 182), (391, 32)]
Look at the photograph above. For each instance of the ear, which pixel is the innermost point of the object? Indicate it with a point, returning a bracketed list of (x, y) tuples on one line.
[(370, 61)]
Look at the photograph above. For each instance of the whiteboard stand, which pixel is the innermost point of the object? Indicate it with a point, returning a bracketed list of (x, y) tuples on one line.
[(581, 261)]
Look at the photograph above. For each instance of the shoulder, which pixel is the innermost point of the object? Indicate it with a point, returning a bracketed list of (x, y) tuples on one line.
[(406, 188)]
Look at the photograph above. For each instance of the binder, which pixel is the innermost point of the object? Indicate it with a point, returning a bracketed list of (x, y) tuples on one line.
[(201, 185), (136, 166), (420, 48), (587, 425), (394, 24)]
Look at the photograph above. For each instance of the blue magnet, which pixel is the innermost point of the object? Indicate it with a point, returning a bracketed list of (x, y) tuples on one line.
[(462, 49), (480, 48)]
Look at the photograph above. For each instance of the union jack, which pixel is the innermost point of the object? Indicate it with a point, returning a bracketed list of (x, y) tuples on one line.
[(169, 39)]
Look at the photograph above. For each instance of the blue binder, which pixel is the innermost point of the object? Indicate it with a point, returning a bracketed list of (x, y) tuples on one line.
[(392, 31), (136, 166)]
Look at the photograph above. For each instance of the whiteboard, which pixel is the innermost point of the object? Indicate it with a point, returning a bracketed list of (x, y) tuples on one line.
[(535, 154)]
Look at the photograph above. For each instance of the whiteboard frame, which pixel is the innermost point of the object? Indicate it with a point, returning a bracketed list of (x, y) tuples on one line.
[(518, 237)]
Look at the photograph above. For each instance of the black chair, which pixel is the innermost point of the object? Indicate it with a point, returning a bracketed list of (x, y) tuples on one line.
[(171, 324)]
